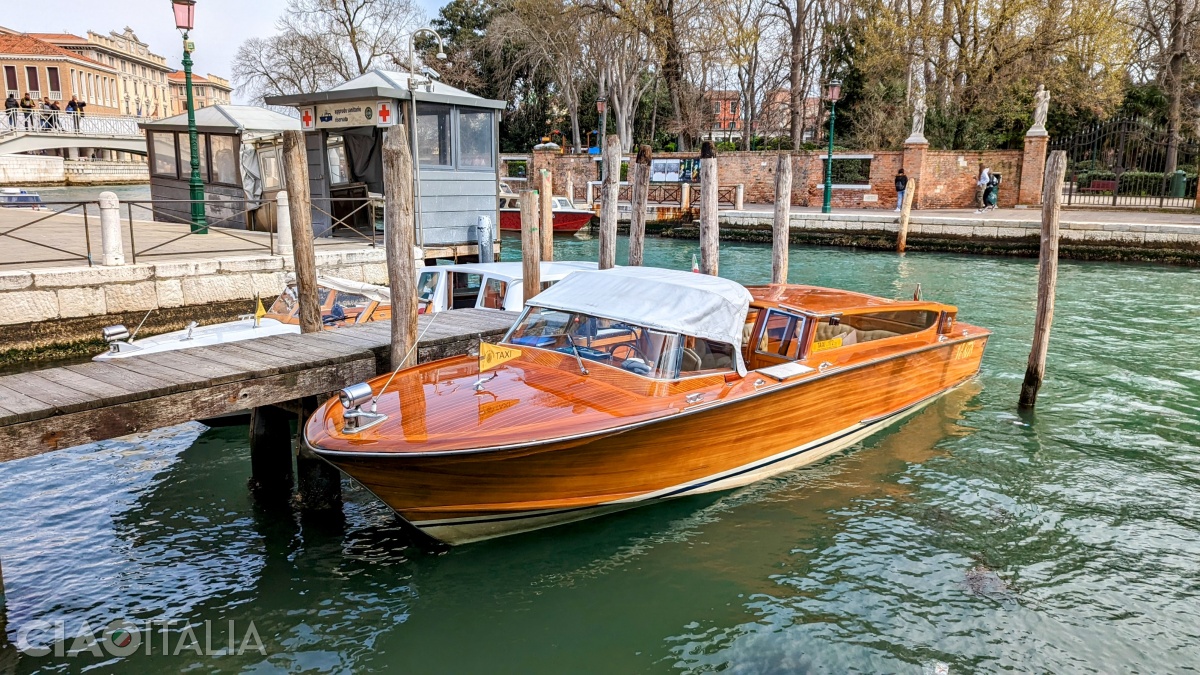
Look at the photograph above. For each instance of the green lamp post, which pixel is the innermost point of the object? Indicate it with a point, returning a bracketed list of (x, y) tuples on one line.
[(833, 92), (184, 14)]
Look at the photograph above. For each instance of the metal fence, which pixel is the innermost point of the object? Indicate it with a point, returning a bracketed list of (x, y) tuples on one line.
[(1129, 162), (22, 241), (64, 123)]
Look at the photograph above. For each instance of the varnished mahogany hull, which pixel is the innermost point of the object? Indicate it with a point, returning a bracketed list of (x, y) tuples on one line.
[(711, 446)]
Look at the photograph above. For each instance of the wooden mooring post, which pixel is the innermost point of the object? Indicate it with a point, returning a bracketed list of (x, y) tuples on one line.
[(271, 452), (609, 193), (295, 170), (781, 227), (639, 174), (546, 210), (531, 245), (910, 189), (1056, 169), (710, 251), (401, 239)]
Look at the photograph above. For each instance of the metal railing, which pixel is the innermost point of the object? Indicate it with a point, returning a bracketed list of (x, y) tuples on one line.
[(62, 123), (158, 215), (26, 233), (356, 209)]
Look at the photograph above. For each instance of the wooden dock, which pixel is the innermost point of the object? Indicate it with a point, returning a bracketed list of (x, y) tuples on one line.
[(58, 408)]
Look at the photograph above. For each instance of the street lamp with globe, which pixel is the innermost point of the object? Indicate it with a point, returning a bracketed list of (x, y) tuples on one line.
[(833, 92), (185, 11)]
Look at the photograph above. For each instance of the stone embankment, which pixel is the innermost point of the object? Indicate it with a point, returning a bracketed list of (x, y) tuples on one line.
[(50, 170), (1147, 242), (62, 306)]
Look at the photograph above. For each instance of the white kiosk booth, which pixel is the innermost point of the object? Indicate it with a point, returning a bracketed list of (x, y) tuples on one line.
[(455, 146)]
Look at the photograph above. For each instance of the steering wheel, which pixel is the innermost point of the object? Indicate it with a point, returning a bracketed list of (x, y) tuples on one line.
[(631, 347)]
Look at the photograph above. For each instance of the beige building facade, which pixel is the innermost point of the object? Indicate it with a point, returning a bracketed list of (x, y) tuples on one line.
[(206, 90), (143, 89)]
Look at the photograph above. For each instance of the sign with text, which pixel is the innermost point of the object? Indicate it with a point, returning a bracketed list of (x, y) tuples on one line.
[(491, 355), (346, 114)]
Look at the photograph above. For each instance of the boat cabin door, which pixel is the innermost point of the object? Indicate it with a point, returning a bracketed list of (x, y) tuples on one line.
[(431, 290)]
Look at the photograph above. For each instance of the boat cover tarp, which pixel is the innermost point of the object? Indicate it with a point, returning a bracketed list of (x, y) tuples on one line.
[(672, 301), (369, 291)]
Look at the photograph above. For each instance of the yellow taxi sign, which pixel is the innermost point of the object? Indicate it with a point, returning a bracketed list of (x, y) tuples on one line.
[(491, 355), (822, 345)]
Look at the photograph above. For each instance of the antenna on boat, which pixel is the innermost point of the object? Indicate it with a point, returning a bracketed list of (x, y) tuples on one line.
[(917, 293)]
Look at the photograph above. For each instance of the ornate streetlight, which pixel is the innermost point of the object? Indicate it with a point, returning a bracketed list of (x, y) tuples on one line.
[(833, 92), (184, 15)]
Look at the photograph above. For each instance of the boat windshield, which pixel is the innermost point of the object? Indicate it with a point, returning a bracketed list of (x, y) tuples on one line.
[(637, 349)]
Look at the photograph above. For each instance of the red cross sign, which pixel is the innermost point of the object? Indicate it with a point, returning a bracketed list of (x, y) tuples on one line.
[(385, 114), (306, 119)]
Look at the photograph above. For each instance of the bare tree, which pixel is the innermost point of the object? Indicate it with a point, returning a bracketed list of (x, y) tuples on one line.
[(321, 43)]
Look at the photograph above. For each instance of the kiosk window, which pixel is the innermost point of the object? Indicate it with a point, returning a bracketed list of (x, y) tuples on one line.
[(224, 160), (185, 155), (433, 134), (475, 139), (164, 154)]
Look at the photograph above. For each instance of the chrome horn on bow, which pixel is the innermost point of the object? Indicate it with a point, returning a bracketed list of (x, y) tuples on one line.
[(353, 398)]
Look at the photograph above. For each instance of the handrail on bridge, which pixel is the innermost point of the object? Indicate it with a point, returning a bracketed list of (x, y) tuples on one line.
[(63, 123)]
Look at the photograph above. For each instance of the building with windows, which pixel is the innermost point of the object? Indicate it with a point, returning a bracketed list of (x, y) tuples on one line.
[(206, 91), (142, 88), (725, 118), (775, 120), (44, 70)]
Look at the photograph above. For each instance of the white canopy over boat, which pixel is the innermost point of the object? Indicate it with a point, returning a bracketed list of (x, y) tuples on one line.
[(672, 301), (369, 291)]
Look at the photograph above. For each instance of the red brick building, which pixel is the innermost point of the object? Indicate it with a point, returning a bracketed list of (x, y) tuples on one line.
[(725, 116)]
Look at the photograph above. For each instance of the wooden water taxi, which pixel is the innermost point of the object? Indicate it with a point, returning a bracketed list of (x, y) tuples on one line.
[(622, 387)]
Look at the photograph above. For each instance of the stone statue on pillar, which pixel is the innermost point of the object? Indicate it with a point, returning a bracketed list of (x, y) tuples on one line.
[(918, 122), (1041, 106)]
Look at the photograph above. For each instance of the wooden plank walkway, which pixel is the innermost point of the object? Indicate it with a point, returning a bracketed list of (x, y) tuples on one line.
[(58, 408)]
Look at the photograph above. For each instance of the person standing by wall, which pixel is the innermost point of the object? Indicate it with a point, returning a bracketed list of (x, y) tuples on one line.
[(27, 108), (985, 179), (12, 110), (901, 186)]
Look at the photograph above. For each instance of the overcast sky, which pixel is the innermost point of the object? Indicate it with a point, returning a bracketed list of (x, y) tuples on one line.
[(221, 25)]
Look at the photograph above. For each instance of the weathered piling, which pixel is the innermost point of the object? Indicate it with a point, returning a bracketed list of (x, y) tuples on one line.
[(610, 191), (906, 214), (318, 483), (531, 245), (1056, 169), (781, 226), (271, 451), (640, 176), (400, 234), (295, 171), (546, 209), (709, 234)]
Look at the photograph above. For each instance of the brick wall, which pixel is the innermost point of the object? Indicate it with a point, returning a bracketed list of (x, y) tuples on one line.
[(947, 177)]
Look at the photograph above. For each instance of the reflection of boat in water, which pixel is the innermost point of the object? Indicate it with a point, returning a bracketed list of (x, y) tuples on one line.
[(632, 385), (567, 218)]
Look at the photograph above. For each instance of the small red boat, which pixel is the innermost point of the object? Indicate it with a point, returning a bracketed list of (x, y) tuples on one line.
[(567, 218)]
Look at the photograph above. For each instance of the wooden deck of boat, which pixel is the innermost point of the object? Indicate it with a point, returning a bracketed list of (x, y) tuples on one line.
[(58, 408)]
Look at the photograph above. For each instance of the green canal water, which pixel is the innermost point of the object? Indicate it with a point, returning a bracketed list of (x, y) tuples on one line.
[(970, 538)]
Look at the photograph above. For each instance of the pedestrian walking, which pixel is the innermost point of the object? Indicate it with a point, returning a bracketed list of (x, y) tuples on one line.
[(985, 179), (12, 110), (75, 107), (47, 114), (56, 115), (991, 194), (27, 109), (901, 186)]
